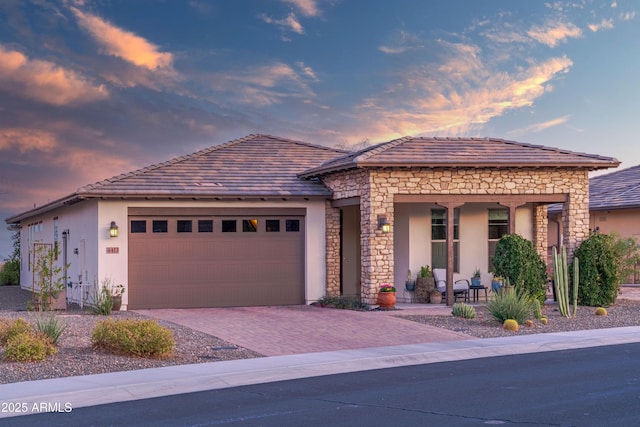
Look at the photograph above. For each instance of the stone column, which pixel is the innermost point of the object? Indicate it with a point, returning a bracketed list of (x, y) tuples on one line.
[(540, 230), (575, 214), (333, 249)]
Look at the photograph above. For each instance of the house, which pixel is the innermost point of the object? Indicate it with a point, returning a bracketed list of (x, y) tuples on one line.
[(264, 220), (614, 206)]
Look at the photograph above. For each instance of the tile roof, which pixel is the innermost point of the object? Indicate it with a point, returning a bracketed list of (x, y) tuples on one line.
[(254, 166), (461, 152), (616, 190)]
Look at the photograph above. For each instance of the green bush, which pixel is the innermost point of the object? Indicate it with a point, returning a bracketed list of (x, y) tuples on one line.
[(517, 260), (10, 273), (143, 338), (599, 271), (342, 302), (9, 329), (510, 304), (463, 310), (51, 327), (28, 346)]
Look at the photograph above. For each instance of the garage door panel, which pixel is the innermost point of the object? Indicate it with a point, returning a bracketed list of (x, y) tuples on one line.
[(216, 269)]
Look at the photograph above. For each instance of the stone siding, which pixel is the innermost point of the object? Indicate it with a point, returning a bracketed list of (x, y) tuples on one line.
[(377, 188)]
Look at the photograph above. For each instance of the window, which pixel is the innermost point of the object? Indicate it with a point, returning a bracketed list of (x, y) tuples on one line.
[(184, 226), (439, 239), (205, 226), (228, 225), (138, 226), (498, 227), (293, 225), (272, 225), (160, 226), (249, 225)]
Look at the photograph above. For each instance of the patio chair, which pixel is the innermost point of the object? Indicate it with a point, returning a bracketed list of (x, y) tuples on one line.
[(460, 287)]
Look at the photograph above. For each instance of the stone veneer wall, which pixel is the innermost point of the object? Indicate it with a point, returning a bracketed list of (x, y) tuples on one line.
[(377, 188), (333, 249)]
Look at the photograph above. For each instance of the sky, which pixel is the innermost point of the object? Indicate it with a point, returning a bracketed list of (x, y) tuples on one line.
[(90, 89)]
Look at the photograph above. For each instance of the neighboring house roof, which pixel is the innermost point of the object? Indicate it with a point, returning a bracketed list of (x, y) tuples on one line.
[(257, 166), (616, 190), (461, 152)]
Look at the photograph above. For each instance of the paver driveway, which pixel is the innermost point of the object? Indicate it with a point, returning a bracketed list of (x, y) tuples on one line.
[(282, 330)]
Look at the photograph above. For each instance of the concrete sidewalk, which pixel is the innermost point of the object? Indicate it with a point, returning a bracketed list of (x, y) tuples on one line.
[(92, 390)]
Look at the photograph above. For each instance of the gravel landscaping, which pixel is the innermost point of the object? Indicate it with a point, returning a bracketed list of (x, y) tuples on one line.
[(76, 356)]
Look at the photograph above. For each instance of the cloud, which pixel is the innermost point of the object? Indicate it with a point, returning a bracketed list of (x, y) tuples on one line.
[(25, 140), (539, 127), (306, 7), (400, 42), (124, 44), (290, 23), (554, 33), (45, 81), (265, 85), (606, 24), (456, 95), (307, 71), (627, 16)]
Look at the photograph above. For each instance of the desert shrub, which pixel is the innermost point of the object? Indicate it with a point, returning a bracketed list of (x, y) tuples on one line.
[(143, 338), (463, 310), (52, 327), (516, 259), (101, 301), (510, 304), (599, 271), (9, 329), (28, 346), (627, 255), (343, 302)]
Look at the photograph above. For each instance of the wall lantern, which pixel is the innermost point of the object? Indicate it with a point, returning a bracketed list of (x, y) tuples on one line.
[(383, 224), (113, 229)]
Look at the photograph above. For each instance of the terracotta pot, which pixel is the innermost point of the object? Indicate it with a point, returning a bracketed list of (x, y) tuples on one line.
[(435, 298), (116, 303), (387, 300)]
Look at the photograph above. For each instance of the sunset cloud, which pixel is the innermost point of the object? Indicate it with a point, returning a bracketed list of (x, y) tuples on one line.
[(25, 140), (605, 24), (539, 127), (124, 44), (554, 33), (306, 7), (456, 96), (45, 81), (290, 23), (265, 85)]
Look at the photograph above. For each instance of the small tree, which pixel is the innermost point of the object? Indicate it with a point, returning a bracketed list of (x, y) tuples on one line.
[(599, 271), (516, 259), (627, 255), (46, 275)]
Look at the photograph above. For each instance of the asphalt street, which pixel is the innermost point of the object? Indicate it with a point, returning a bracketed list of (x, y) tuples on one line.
[(597, 386)]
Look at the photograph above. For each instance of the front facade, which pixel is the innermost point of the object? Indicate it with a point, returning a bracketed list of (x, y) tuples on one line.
[(269, 221)]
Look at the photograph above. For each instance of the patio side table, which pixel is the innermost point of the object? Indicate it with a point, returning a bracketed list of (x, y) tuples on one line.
[(474, 291)]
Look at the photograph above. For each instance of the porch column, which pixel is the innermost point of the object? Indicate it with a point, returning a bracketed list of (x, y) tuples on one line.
[(541, 231), (332, 218), (450, 207)]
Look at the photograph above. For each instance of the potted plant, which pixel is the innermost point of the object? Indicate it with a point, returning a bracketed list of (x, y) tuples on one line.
[(424, 284), (410, 285), (475, 279), (116, 297), (435, 296), (387, 296), (496, 283)]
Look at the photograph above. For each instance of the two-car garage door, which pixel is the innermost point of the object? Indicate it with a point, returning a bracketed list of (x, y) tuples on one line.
[(198, 257)]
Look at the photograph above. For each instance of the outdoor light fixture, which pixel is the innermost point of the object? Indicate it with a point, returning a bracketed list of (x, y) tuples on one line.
[(113, 229), (383, 224)]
